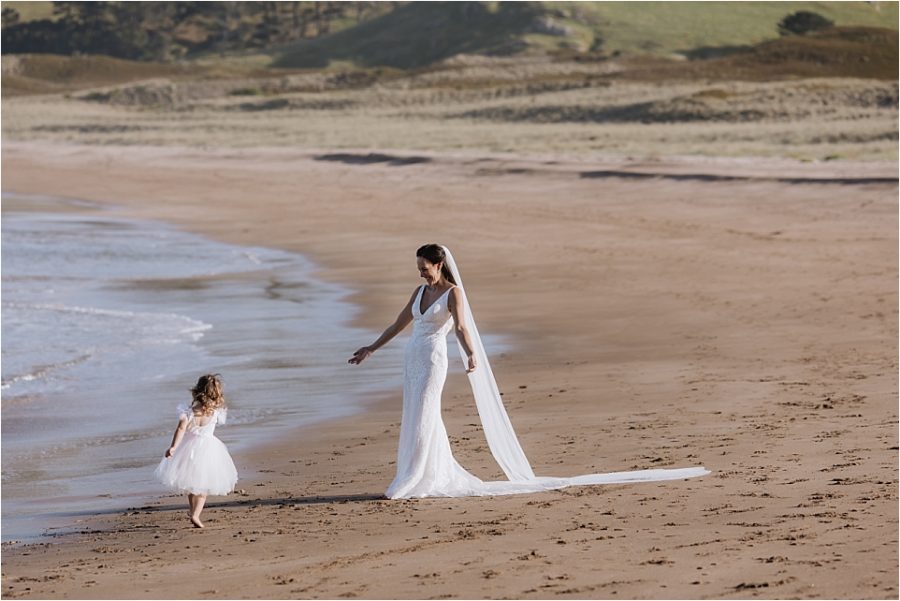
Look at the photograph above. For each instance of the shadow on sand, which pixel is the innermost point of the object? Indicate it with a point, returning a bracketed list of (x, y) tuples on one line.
[(181, 505)]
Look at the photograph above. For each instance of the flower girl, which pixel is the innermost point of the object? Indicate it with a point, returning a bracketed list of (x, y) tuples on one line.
[(197, 462)]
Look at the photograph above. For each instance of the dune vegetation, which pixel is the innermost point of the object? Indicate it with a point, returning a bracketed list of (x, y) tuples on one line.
[(476, 77)]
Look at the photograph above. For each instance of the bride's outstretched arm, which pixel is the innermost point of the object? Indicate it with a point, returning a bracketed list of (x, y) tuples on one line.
[(457, 307), (392, 330)]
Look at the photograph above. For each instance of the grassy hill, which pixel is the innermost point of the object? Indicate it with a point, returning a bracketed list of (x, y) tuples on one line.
[(663, 28), (643, 36), (420, 33), (31, 11), (861, 52)]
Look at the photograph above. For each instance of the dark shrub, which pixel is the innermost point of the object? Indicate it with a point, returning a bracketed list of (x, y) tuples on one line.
[(803, 22)]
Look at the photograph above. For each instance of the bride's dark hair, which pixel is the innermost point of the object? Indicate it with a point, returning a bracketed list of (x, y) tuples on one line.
[(434, 254)]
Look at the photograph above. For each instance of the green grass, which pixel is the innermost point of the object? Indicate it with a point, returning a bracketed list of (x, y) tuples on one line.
[(671, 27), (31, 11), (417, 34), (420, 33)]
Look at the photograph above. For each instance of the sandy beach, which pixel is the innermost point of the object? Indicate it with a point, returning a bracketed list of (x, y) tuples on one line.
[(735, 313)]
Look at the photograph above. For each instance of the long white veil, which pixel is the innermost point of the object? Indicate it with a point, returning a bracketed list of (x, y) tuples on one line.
[(498, 430), (501, 437)]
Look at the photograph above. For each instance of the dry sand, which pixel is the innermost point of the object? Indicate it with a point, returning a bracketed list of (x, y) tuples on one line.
[(727, 313)]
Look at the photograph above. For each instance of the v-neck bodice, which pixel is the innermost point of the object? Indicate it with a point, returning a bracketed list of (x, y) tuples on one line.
[(422, 296), (435, 319)]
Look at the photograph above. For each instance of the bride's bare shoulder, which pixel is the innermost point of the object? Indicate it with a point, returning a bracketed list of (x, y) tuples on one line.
[(455, 294)]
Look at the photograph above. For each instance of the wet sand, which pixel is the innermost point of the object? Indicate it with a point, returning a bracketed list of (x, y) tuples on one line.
[(738, 314)]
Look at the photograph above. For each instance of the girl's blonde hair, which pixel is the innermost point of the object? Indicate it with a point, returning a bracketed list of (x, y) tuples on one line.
[(207, 394)]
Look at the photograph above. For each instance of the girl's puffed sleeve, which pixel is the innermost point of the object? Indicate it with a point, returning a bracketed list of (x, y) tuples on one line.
[(221, 415)]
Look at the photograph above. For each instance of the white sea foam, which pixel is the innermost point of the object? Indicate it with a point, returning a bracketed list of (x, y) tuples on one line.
[(106, 324), (41, 372), (79, 334)]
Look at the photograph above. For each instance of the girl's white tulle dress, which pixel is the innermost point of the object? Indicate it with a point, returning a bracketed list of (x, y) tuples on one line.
[(200, 464)]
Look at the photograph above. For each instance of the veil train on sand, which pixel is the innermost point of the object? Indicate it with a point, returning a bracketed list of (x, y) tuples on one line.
[(501, 437)]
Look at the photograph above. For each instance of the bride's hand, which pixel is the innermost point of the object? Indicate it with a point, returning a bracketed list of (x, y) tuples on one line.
[(472, 365), (360, 356)]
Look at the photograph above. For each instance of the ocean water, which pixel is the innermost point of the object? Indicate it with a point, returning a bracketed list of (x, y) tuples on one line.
[(106, 324)]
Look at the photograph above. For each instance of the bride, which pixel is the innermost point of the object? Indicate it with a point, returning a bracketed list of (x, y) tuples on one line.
[(425, 464)]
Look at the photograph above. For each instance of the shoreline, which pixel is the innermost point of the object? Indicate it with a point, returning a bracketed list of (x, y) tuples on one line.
[(638, 364), (62, 518), (260, 451)]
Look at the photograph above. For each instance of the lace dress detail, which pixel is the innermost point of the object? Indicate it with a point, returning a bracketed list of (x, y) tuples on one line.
[(425, 464)]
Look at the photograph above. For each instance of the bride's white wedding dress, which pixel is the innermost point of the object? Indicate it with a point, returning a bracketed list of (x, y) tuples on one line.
[(425, 464)]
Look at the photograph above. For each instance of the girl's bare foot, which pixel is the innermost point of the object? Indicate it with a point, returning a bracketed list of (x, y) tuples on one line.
[(196, 522)]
